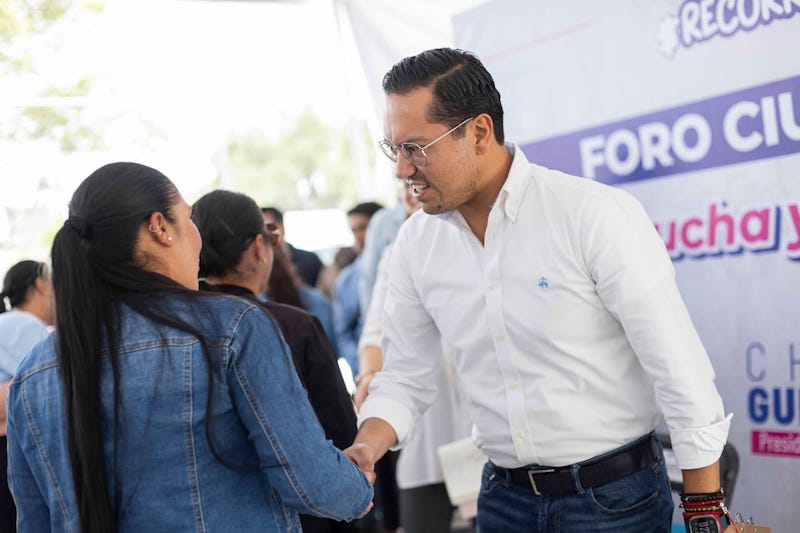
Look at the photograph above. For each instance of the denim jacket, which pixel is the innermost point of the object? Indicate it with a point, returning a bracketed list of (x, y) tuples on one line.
[(167, 476)]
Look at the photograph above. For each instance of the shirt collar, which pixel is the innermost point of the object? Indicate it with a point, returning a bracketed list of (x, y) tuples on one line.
[(513, 190), (516, 183)]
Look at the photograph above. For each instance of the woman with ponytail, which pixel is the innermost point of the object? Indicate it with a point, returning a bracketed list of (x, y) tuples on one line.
[(153, 407), (26, 304)]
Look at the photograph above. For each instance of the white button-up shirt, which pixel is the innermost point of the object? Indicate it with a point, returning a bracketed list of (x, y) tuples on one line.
[(568, 331)]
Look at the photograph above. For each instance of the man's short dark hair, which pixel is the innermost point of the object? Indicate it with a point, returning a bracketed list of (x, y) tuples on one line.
[(462, 87), (365, 208), (274, 212)]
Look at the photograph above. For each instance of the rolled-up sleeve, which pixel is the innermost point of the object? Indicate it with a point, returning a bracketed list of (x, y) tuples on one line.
[(635, 280)]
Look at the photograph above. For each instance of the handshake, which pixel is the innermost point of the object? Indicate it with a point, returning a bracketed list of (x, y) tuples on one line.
[(374, 439)]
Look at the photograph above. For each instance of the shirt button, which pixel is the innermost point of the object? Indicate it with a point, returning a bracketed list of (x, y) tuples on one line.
[(492, 285), (520, 434), (514, 385), (500, 336)]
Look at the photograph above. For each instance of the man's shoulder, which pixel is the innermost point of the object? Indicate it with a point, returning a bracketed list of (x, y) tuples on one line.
[(559, 190), (561, 182), (304, 255)]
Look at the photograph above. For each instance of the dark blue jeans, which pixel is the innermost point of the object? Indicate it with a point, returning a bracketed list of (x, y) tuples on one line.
[(638, 503)]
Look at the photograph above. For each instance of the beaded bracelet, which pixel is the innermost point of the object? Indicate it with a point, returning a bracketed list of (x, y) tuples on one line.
[(703, 512), (702, 496)]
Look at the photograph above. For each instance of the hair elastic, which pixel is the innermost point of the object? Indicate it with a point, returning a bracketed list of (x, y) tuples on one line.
[(79, 225)]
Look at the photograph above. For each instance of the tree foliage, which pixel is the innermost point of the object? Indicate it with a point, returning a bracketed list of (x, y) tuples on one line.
[(29, 31), (309, 166)]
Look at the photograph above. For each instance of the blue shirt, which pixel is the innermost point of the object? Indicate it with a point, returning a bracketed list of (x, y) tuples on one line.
[(168, 477), (318, 305), (19, 332), (381, 232), (347, 320)]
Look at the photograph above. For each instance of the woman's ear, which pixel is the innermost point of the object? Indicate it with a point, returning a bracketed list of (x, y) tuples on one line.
[(41, 285), (155, 222), (159, 229), (259, 248)]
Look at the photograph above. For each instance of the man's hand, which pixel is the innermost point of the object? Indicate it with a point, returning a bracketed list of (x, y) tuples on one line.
[(363, 455), (373, 440)]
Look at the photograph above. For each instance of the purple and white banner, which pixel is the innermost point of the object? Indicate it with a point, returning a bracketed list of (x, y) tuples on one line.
[(694, 107), (755, 123)]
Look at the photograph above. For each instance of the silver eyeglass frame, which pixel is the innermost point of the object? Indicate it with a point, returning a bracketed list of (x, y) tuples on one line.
[(412, 150)]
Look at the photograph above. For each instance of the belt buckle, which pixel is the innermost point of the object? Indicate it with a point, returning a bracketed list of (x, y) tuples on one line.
[(532, 473)]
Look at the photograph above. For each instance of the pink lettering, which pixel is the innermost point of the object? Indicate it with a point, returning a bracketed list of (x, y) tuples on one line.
[(762, 233), (713, 221), (687, 226), (775, 443), (721, 230), (794, 212)]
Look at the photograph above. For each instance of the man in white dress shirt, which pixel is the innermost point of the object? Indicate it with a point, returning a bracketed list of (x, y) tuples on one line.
[(559, 301)]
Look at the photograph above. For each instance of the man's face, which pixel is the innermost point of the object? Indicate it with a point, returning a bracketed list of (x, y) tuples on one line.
[(450, 179), (269, 219), (358, 225)]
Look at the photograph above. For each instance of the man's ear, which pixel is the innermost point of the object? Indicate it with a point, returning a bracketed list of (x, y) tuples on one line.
[(484, 133)]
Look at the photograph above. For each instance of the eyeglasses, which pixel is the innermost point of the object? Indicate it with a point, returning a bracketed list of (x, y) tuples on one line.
[(272, 233), (412, 151)]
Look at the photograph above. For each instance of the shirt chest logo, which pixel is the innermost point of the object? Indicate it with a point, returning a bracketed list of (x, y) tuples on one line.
[(543, 283)]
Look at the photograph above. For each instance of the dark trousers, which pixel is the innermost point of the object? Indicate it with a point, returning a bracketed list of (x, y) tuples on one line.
[(8, 512), (386, 513), (426, 509)]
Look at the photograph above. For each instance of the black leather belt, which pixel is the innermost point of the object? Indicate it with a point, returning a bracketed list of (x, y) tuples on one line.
[(557, 481)]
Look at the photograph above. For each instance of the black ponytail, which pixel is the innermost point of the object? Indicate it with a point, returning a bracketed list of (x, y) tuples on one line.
[(95, 269)]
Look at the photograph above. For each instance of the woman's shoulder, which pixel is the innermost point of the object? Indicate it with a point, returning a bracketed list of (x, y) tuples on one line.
[(225, 310), (41, 358), (184, 318), (283, 313)]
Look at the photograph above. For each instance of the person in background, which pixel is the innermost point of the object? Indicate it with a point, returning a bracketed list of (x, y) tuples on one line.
[(347, 317), (327, 278), (236, 258), (308, 264), (157, 407), (285, 286), (26, 317), (425, 505), (559, 301), (381, 232)]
